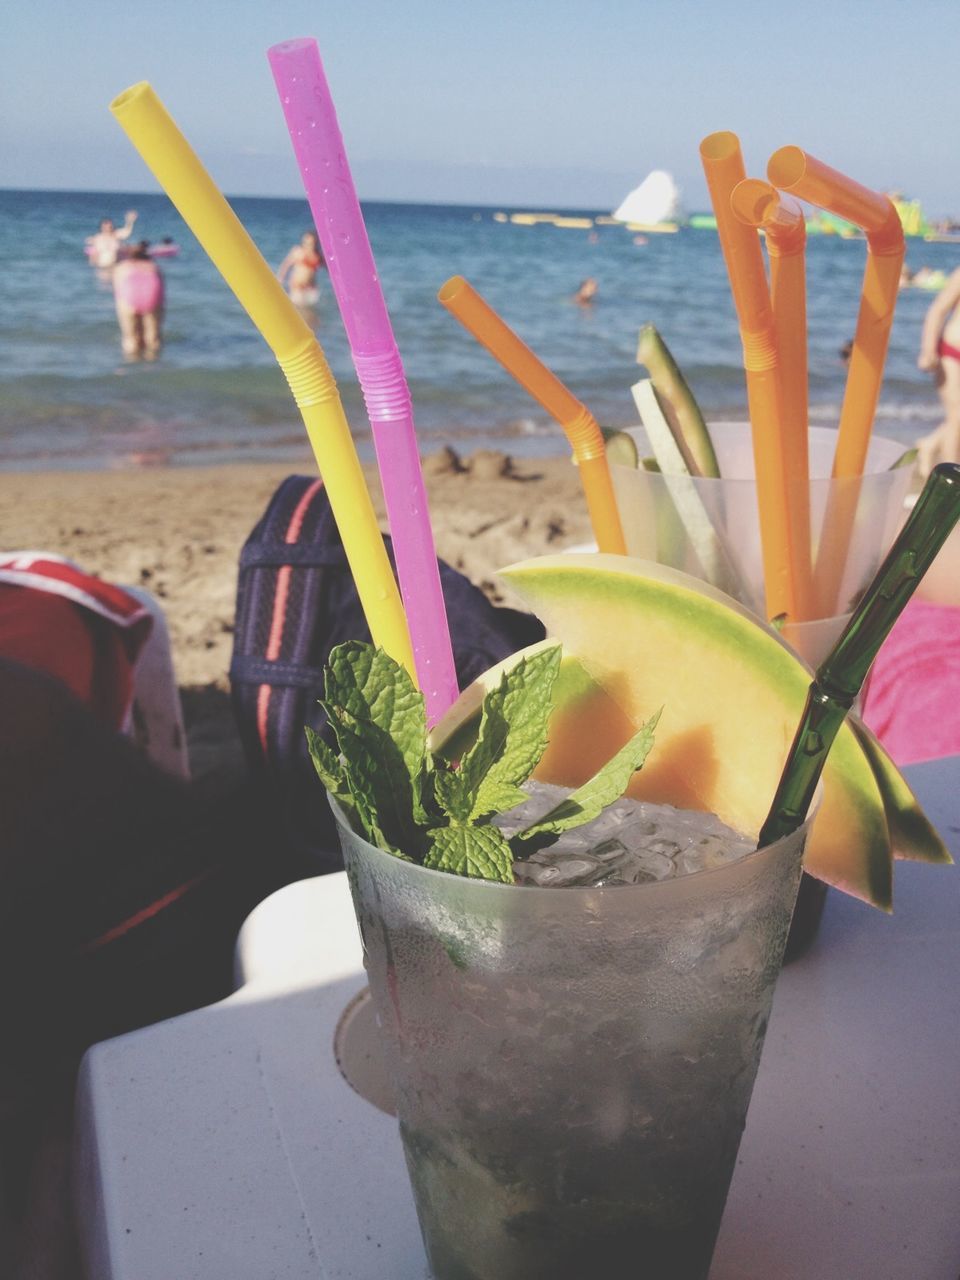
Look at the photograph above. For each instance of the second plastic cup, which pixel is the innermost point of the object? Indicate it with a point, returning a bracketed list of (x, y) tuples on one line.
[(655, 510), (659, 511)]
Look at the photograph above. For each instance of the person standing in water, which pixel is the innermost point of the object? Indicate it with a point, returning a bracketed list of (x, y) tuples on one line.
[(302, 264), (940, 355), (138, 294), (104, 248)]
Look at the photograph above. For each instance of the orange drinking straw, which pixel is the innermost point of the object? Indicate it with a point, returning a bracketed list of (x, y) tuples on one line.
[(579, 424), (758, 204), (785, 580), (793, 170)]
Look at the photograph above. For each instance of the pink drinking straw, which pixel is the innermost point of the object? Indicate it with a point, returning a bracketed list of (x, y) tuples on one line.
[(318, 146)]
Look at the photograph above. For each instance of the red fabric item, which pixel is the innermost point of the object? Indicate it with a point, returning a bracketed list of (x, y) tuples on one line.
[(87, 633), (913, 698)]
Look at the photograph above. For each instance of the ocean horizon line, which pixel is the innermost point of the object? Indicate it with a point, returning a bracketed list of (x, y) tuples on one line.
[(367, 200), (505, 206)]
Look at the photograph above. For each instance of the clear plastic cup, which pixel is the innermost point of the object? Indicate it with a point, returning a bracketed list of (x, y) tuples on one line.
[(671, 520), (660, 513), (572, 1067)]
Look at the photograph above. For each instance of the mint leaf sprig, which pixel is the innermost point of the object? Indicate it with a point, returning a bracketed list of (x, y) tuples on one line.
[(414, 803)]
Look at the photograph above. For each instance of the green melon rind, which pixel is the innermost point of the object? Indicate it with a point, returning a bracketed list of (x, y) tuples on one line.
[(913, 836), (550, 578)]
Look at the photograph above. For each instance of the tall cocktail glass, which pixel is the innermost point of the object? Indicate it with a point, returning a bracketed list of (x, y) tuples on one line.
[(572, 1066)]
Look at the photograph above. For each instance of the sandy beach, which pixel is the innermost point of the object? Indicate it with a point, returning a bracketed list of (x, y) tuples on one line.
[(178, 532)]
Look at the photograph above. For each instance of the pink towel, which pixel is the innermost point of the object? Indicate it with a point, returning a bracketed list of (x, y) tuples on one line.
[(913, 697)]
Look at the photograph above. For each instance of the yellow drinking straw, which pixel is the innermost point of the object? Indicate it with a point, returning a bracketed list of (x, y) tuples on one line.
[(793, 170), (758, 204), (578, 423), (786, 577), (177, 168)]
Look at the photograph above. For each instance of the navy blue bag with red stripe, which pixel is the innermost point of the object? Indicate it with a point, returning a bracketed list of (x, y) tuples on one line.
[(295, 602)]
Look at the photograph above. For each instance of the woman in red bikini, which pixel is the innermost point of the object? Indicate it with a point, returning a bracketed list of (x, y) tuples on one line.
[(138, 294), (940, 354), (302, 262)]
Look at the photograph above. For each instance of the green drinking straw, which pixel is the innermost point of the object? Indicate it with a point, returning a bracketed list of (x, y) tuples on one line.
[(839, 677)]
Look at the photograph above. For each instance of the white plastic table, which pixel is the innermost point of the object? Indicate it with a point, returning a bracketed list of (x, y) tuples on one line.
[(226, 1145)]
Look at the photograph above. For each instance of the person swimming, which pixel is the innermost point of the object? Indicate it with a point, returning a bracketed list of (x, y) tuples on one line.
[(586, 293), (104, 248), (302, 264), (139, 297)]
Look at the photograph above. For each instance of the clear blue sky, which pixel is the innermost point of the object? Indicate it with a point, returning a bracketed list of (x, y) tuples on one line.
[(496, 101)]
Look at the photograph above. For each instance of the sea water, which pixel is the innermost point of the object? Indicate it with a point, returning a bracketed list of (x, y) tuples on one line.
[(68, 399), (631, 842)]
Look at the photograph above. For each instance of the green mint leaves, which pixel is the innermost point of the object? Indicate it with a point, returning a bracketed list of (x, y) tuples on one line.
[(481, 852), (512, 735), (421, 807)]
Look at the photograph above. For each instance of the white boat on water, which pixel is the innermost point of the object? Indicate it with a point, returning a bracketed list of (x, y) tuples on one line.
[(652, 206)]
